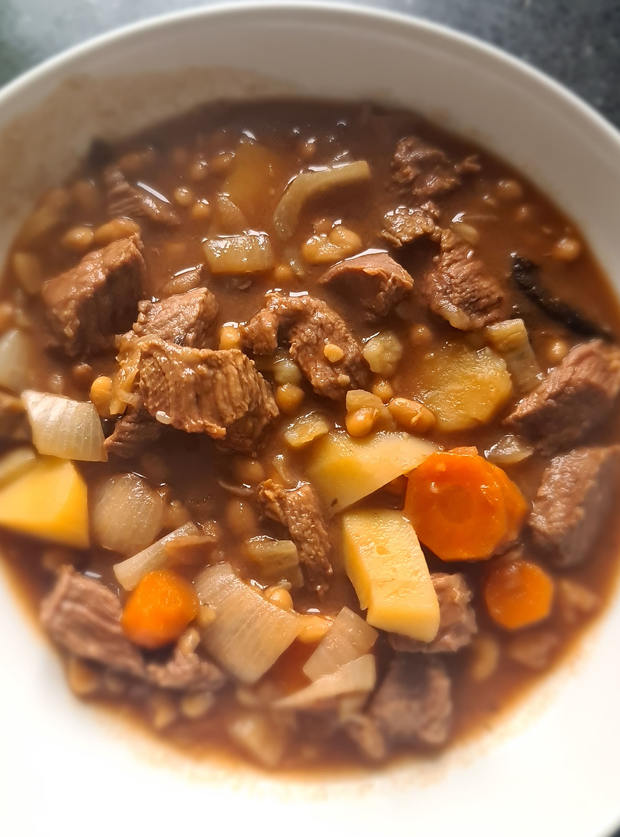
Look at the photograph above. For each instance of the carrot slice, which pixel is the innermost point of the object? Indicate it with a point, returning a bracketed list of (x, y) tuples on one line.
[(518, 594), (159, 609), (463, 507)]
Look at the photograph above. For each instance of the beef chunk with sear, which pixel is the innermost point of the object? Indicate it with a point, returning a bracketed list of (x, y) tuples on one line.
[(572, 400), (186, 671), (457, 618), (309, 324), (89, 304), (375, 279), (426, 171), (129, 201), (219, 393), (133, 433), (573, 499), (460, 289), (299, 510), (83, 617), (413, 705), (187, 319), (404, 224)]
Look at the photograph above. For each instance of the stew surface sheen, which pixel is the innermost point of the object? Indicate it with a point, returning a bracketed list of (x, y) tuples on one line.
[(473, 338)]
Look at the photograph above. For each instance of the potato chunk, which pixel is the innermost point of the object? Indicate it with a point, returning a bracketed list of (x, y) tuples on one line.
[(386, 565), (464, 387), (345, 469), (48, 500)]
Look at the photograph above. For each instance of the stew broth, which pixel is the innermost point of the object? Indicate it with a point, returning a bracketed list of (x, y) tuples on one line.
[(223, 170)]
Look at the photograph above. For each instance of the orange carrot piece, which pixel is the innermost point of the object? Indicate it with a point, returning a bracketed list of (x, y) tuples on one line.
[(159, 609), (462, 507), (518, 594)]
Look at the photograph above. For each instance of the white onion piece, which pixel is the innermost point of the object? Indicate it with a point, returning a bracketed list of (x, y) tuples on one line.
[(64, 428), (247, 253), (15, 462), (261, 736), (310, 183), (356, 676), (248, 634), (129, 572), (511, 340), (15, 360), (126, 513), (273, 560), (349, 637), (509, 450)]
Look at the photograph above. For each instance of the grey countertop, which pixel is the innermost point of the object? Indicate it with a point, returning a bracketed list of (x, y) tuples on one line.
[(576, 41)]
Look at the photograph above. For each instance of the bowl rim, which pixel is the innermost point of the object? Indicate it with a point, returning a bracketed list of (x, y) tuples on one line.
[(61, 62)]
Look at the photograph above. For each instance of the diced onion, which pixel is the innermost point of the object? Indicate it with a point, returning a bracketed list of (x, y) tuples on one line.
[(248, 634), (309, 184), (15, 462), (64, 428), (229, 217), (356, 676), (273, 560), (126, 513), (349, 637), (248, 253), (509, 450), (260, 736), (510, 339), (15, 360), (305, 429), (154, 557)]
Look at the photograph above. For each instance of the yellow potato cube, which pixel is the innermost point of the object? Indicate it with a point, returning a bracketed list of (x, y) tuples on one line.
[(344, 469), (463, 386), (48, 500), (387, 567)]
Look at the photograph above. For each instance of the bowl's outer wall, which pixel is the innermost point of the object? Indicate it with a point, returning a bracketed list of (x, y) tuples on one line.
[(62, 763)]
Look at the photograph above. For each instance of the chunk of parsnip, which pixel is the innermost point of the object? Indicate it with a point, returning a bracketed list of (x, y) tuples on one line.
[(344, 469), (388, 570), (47, 500), (463, 386)]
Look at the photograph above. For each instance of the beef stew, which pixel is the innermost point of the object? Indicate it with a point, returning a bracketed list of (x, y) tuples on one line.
[(309, 430)]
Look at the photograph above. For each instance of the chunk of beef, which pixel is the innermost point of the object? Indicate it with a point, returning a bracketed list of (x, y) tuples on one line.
[(219, 393), (426, 171), (89, 304), (375, 279), (187, 319), (413, 705), (186, 672), (299, 510), (83, 616), (404, 225), (309, 325), (133, 433), (457, 618), (13, 422), (135, 202), (574, 497), (572, 400), (460, 289)]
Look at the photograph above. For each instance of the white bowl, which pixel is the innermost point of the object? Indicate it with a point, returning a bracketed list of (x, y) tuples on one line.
[(551, 765)]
